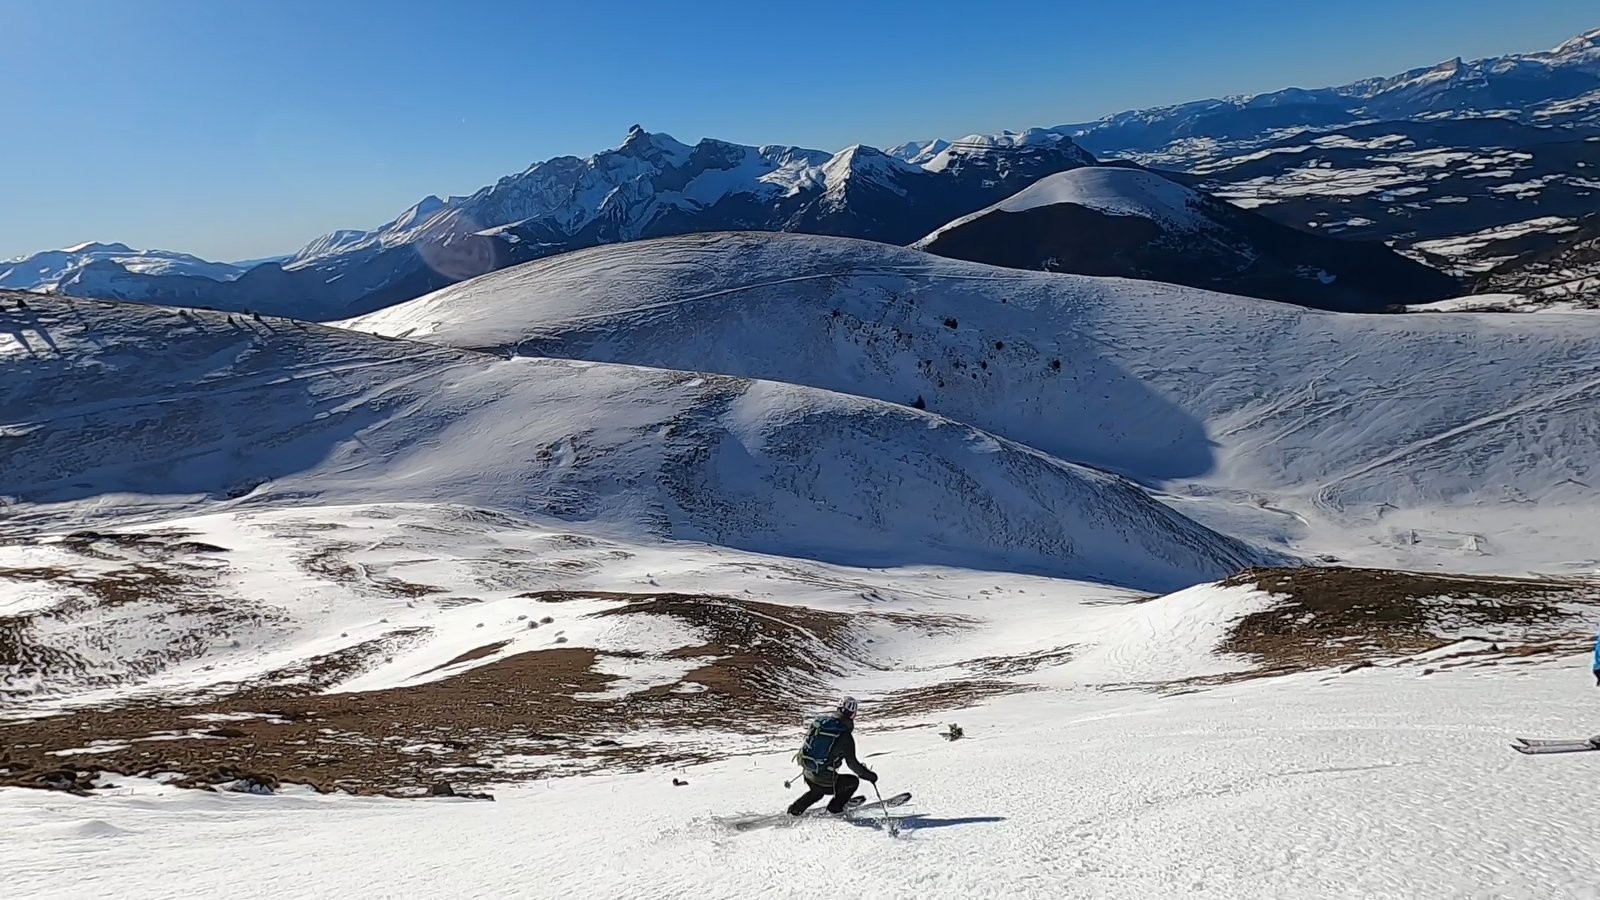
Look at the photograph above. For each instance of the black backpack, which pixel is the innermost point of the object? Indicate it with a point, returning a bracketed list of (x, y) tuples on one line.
[(816, 754)]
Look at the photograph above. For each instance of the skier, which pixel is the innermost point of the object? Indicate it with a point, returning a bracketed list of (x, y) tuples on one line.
[(1597, 660), (829, 742)]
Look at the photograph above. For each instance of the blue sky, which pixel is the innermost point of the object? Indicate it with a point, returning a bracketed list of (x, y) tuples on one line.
[(233, 129)]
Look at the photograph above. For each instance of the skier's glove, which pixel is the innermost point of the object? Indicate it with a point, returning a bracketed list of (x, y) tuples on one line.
[(1597, 677), (872, 777)]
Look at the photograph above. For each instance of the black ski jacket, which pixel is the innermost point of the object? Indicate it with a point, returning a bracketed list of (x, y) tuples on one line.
[(844, 750)]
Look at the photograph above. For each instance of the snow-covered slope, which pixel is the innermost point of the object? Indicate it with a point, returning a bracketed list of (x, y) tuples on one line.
[(1134, 223), (1376, 783), (1448, 433), (47, 270), (1115, 191), (158, 408)]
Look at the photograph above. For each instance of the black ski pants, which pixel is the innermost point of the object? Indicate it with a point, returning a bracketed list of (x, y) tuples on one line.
[(843, 787)]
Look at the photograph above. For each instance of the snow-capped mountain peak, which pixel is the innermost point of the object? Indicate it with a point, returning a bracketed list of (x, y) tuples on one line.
[(48, 270), (861, 164), (1133, 223), (327, 245), (919, 153), (1116, 192), (661, 149), (419, 213), (1010, 144), (1580, 46), (98, 247)]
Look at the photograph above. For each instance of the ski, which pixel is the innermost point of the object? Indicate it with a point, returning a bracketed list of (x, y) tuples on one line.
[(888, 803), (1546, 742), (1569, 746), (852, 810), (783, 817)]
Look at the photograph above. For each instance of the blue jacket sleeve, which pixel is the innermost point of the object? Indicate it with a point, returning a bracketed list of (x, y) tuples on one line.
[(1597, 653)]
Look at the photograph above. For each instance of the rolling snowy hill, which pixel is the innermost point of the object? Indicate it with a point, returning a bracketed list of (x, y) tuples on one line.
[(1136, 224), (179, 407), (1460, 434)]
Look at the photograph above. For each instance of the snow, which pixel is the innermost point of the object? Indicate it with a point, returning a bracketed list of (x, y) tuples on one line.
[(1471, 303), (1033, 138), (1203, 395), (868, 165), (918, 153), (1229, 162), (1521, 303), (1374, 783), (1352, 222), (1174, 638), (1462, 247), (46, 270), (271, 411), (1316, 180), (1526, 189), (1113, 191), (729, 416), (1344, 142), (753, 168), (571, 194), (1568, 107)]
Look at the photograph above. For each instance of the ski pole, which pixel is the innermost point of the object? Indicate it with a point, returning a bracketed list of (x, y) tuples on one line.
[(887, 825)]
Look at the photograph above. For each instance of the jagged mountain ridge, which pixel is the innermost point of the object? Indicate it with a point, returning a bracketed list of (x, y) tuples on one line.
[(1559, 87), (650, 186)]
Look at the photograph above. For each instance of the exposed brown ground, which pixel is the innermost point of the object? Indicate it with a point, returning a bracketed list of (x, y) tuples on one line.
[(1341, 616), (760, 668), (1337, 618), (763, 667)]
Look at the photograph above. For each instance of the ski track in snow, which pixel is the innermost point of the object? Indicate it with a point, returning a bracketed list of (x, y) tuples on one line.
[(1375, 784)]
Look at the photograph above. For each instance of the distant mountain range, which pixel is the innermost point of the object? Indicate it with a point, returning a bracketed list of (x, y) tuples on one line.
[(47, 270), (649, 186), (1559, 87), (652, 185)]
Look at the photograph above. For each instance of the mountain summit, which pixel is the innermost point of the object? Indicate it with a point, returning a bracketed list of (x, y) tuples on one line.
[(1136, 224), (651, 185)]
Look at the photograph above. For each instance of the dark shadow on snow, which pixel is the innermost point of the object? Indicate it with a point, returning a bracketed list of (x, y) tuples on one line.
[(918, 821)]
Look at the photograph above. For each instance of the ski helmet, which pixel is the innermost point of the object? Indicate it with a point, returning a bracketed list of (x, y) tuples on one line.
[(847, 707)]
